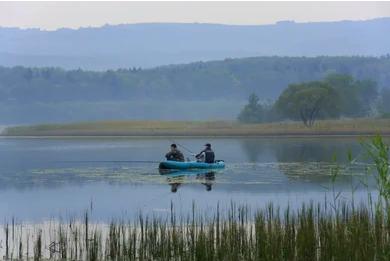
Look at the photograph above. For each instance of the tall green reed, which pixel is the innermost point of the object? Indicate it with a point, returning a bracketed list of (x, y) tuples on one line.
[(311, 232), (378, 152)]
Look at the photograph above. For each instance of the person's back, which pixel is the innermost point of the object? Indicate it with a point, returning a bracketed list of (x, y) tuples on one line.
[(209, 155), (174, 154)]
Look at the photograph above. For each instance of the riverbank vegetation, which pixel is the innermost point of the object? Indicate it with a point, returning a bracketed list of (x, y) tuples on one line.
[(364, 126), (335, 96), (313, 232)]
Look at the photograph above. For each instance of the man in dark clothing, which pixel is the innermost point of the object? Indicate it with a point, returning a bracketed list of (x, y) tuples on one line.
[(174, 154), (207, 154)]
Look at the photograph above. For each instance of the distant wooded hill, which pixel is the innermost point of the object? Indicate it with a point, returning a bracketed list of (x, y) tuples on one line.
[(149, 45), (202, 90), (227, 79)]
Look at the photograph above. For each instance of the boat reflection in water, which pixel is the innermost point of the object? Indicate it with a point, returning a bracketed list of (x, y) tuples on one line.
[(175, 178)]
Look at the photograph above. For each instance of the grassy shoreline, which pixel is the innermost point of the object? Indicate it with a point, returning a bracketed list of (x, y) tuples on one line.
[(205, 128)]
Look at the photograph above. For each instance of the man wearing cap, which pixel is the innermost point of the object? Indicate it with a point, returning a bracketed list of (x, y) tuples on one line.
[(174, 154), (207, 154)]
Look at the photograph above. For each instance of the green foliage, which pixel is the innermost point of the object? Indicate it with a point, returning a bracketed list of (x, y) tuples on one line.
[(356, 96), (253, 112), (378, 152), (54, 94), (336, 95), (231, 78), (384, 103), (308, 101), (312, 232), (386, 115)]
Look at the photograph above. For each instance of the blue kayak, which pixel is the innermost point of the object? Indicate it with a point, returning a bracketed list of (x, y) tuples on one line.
[(169, 164), (187, 172)]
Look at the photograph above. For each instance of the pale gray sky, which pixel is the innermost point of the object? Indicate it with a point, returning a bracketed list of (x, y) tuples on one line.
[(53, 15)]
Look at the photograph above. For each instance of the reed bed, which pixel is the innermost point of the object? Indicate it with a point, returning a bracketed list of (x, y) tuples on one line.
[(312, 232), (363, 126)]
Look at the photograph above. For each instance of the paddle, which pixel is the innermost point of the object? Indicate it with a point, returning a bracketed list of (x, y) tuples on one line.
[(109, 161)]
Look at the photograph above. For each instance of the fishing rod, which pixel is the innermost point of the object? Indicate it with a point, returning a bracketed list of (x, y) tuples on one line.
[(109, 161), (182, 146), (127, 161)]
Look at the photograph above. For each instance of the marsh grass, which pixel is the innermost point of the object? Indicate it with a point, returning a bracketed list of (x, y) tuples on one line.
[(378, 152), (310, 233), (363, 126)]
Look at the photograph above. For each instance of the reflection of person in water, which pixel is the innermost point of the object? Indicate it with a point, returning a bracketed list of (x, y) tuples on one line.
[(175, 182), (206, 179), (209, 178), (174, 187)]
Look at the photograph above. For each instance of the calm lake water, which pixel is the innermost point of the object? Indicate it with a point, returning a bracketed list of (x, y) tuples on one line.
[(44, 178)]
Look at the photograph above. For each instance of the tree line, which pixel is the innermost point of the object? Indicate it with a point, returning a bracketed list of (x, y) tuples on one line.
[(337, 95), (230, 79)]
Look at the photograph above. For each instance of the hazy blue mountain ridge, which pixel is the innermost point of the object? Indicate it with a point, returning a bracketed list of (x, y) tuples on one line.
[(149, 45)]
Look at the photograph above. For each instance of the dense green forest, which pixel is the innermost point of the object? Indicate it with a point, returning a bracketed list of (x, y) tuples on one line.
[(33, 93), (231, 78)]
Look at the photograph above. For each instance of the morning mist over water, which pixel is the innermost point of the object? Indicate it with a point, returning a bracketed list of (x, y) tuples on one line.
[(155, 138)]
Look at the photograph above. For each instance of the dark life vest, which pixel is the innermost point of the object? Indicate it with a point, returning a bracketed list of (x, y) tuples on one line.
[(209, 156)]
